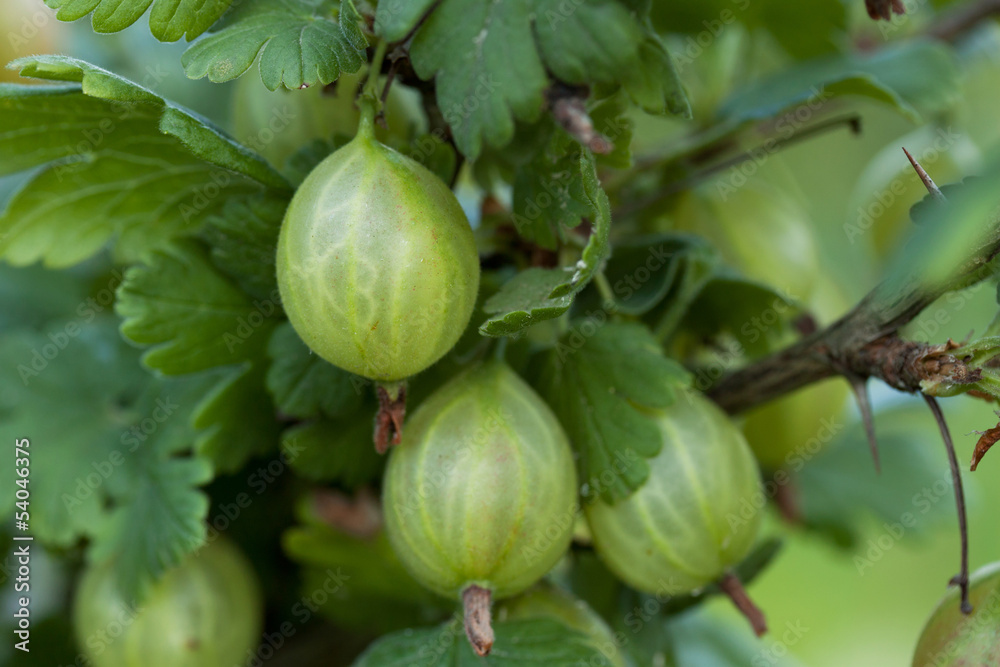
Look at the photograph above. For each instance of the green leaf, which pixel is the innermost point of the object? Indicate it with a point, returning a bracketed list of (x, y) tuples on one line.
[(490, 60), (334, 451), (244, 241), (373, 590), (107, 468), (305, 385), (526, 643), (642, 270), (195, 317), (524, 301), (112, 161), (839, 485), (704, 639), (236, 419), (602, 381), (548, 197), (169, 21), (536, 295), (916, 77), (298, 43), (754, 314), (655, 85)]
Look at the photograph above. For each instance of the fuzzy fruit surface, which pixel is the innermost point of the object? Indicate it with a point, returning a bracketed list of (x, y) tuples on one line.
[(482, 489), (697, 513), (952, 639), (205, 612), (545, 601), (377, 265)]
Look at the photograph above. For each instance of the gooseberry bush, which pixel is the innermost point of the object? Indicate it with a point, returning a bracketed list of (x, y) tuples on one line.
[(467, 332)]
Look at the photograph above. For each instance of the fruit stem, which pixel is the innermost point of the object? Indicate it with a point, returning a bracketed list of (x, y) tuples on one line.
[(478, 622), (370, 102), (962, 578), (731, 585), (390, 416)]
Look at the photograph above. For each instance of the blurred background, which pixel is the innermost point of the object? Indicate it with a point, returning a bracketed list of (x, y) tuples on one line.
[(852, 603)]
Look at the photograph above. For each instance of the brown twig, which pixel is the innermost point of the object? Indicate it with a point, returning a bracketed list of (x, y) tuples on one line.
[(953, 24), (731, 585), (478, 620), (962, 578)]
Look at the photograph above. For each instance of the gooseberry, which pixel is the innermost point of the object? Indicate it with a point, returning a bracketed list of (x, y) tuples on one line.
[(377, 266), (480, 496), (952, 638), (205, 612), (697, 513)]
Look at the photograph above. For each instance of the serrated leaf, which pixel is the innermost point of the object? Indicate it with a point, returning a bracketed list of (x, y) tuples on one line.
[(655, 85), (305, 385), (165, 494), (548, 197), (105, 438), (195, 317), (523, 301), (169, 21), (298, 43), (490, 60), (114, 161), (236, 419), (244, 240), (602, 387), (527, 643), (334, 451)]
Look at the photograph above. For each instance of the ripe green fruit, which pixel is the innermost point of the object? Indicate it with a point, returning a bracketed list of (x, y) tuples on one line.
[(377, 266), (546, 601), (697, 513), (745, 224), (951, 638), (205, 612), (482, 489)]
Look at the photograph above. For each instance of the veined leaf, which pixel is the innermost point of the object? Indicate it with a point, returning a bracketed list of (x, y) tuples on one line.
[(169, 21)]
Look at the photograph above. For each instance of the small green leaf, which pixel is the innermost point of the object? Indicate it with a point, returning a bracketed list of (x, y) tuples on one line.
[(169, 21), (655, 85), (548, 197), (298, 43), (304, 385), (601, 386), (524, 643), (244, 240), (195, 317), (334, 451), (524, 301)]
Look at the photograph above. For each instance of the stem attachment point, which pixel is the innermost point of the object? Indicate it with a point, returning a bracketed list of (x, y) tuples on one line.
[(478, 620)]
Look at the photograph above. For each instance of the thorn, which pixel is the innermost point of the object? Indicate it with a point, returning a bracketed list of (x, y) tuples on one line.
[(962, 578), (859, 386), (928, 182)]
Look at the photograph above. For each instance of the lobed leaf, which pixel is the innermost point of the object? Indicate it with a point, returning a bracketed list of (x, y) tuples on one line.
[(297, 43), (602, 386), (168, 21)]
